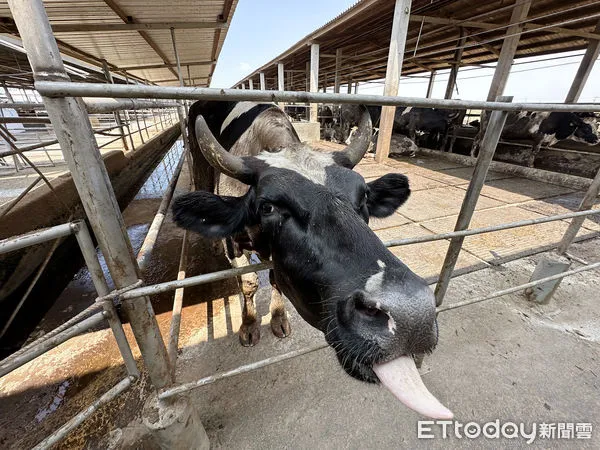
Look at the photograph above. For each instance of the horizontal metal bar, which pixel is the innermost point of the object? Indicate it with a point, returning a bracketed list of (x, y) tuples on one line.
[(35, 237), (49, 344), (170, 392), (166, 66), (518, 288), (63, 431), (65, 89), (94, 106), (193, 281), (490, 229), (94, 308)]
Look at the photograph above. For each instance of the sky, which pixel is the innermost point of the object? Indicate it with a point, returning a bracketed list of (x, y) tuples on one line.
[(262, 29)]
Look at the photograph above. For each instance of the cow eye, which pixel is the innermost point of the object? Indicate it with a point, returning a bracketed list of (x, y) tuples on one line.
[(267, 208)]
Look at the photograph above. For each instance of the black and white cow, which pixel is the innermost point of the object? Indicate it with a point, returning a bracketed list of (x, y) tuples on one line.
[(308, 211), (548, 128), (434, 123)]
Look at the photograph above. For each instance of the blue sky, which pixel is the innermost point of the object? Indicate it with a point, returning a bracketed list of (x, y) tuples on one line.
[(262, 29)]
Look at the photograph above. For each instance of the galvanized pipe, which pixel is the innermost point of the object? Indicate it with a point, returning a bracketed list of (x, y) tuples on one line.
[(145, 253), (35, 237), (178, 305), (49, 344), (81, 153), (170, 392), (488, 148), (518, 288), (40, 270), (63, 89), (63, 431), (88, 250), (193, 281), (490, 229)]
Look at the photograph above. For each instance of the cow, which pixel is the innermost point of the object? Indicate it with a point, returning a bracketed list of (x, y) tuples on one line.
[(548, 128), (308, 211), (433, 122)]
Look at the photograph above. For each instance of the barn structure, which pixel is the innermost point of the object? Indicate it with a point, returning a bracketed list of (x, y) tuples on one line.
[(127, 61)]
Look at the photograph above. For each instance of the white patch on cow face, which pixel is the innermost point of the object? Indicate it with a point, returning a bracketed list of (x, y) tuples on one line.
[(381, 264), (550, 139), (374, 284), (406, 111), (391, 323), (239, 109), (304, 161)]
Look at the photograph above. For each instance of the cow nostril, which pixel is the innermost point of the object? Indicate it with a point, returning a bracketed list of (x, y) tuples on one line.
[(367, 310), (365, 306)]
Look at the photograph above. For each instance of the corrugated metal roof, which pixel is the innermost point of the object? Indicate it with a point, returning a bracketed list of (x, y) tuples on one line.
[(85, 29), (363, 32)]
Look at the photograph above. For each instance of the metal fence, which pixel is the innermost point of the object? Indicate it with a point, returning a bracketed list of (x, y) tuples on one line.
[(67, 112)]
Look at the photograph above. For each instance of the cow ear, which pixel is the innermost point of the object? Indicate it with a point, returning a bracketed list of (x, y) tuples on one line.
[(386, 194), (211, 215)]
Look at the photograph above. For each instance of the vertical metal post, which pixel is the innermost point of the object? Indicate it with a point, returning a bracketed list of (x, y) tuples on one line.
[(488, 147), (129, 132), (116, 114), (509, 47), (280, 77), (338, 67), (145, 124), (431, 83), (349, 90), (75, 134), (88, 250), (181, 112), (585, 68), (356, 87), (314, 79), (251, 84), (456, 64), (392, 76), (243, 85), (263, 85)]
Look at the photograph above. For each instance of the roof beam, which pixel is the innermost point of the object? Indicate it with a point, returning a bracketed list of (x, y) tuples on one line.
[(128, 19), (166, 66), (91, 27), (490, 26), (482, 43)]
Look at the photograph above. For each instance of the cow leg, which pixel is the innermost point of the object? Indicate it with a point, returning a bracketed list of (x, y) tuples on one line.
[(535, 149), (249, 333), (280, 325)]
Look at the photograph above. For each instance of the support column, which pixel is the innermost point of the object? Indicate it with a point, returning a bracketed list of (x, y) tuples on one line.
[(280, 77), (251, 84), (338, 67), (488, 148), (585, 68), (392, 76), (74, 132), (116, 114), (509, 48), (456, 64), (356, 87), (430, 85), (349, 86), (263, 86), (314, 79)]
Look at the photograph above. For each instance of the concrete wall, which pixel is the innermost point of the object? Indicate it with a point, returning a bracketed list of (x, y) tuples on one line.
[(307, 131)]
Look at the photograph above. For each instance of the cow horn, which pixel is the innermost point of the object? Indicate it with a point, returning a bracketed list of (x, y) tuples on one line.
[(217, 156), (361, 139)]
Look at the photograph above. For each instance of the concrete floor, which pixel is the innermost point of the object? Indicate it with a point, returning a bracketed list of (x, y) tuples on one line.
[(505, 359)]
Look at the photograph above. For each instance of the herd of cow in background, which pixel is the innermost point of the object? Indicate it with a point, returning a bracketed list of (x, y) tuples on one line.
[(437, 128)]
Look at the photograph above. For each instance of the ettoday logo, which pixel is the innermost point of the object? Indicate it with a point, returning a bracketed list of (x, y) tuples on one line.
[(435, 429)]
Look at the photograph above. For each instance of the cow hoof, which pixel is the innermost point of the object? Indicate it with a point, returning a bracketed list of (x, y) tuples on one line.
[(249, 334), (280, 325)]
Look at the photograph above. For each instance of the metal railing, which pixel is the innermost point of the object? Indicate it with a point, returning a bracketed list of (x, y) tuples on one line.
[(97, 196)]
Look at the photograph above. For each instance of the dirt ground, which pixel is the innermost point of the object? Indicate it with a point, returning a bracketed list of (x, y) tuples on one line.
[(505, 359)]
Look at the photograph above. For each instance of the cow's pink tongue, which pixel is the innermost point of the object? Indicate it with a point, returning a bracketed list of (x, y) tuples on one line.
[(402, 378)]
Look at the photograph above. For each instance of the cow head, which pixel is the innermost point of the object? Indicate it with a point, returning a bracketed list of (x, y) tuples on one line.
[(579, 127), (309, 212)]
